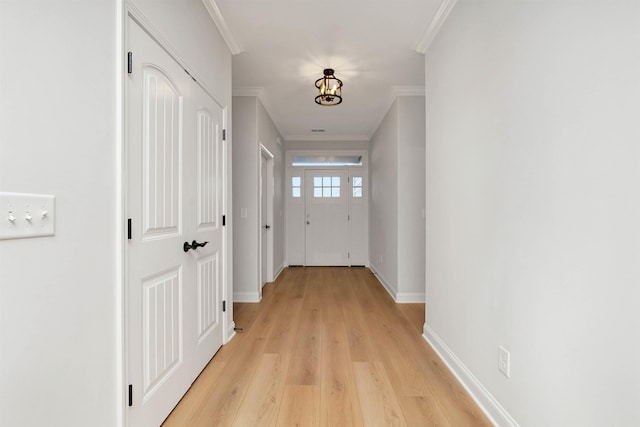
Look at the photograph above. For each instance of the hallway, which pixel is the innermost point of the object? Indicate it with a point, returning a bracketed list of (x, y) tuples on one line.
[(326, 346)]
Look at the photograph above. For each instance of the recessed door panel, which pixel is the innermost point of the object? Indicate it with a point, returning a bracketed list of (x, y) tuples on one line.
[(208, 168), (162, 152), (162, 332), (208, 298)]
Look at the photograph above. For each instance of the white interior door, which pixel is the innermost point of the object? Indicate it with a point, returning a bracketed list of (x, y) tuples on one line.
[(208, 225), (326, 212), (173, 323)]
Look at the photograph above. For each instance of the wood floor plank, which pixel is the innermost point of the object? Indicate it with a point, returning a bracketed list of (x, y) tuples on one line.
[(340, 405), (196, 398), (305, 357), (422, 411), (300, 406), (261, 402), (380, 406), (327, 346)]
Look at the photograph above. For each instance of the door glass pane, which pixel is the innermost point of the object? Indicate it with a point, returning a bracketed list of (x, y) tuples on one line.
[(326, 181), (295, 191), (317, 181), (317, 192), (357, 186), (295, 181), (326, 192), (335, 191), (335, 181)]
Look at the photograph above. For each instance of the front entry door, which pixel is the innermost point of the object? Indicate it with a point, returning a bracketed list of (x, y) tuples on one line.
[(327, 217), (174, 188)]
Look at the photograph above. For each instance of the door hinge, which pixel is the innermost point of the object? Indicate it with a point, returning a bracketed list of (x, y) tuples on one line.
[(224, 306), (224, 134), (130, 394), (348, 217), (129, 229), (348, 255), (129, 62), (224, 220)]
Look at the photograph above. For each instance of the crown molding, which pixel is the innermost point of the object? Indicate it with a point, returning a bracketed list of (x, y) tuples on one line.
[(407, 91), (305, 138), (430, 33), (256, 91), (249, 91), (221, 23), (397, 91)]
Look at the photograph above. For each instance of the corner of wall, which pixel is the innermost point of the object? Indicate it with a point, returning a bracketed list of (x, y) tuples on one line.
[(384, 282)]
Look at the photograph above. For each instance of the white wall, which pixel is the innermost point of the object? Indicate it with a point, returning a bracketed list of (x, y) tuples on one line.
[(411, 198), (383, 202), (252, 126), (397, 199), (59, 358), (246, 276), (60, 297), (533, 240)]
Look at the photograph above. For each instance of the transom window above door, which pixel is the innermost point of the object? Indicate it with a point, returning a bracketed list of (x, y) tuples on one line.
[(326, 186)]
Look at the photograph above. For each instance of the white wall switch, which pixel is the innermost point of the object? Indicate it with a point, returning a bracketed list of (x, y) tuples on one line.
[(26, 215)]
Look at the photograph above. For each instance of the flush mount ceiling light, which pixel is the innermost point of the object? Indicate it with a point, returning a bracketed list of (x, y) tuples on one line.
[(330, 89)]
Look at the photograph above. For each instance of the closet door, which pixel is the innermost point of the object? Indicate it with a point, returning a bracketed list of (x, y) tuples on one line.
[(174, 189)]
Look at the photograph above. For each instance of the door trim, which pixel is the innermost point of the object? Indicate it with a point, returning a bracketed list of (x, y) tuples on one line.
[(269, 157)]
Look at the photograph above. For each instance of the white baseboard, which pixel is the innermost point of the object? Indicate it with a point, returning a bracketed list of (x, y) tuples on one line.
[(487, 403), (384, 282), (231, 332), (410, 297), (278, 272), (246, 297)]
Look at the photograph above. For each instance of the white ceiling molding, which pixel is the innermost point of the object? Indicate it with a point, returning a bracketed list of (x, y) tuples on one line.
[(345, 138), (259, 93), (397, 91), (221, 23), (249, 91), (430, 33), (407, 91)]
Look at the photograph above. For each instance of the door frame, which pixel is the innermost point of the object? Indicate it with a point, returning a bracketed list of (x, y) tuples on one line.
[(292, 216), (127, 12), (270, 158)]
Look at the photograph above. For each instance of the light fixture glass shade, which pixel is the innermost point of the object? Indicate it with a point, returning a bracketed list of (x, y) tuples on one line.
[(330, 89)]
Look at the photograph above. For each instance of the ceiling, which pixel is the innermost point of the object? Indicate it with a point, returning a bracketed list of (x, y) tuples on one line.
[(282, 46)]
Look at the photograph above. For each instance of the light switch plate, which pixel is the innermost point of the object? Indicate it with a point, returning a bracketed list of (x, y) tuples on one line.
[(26, 215)]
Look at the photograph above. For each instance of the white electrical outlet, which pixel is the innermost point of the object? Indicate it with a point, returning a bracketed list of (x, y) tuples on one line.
[(26, 215), (504, 361)]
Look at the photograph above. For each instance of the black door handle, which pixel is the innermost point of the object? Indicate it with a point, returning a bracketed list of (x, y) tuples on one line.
[(267, 227), (192, 245)]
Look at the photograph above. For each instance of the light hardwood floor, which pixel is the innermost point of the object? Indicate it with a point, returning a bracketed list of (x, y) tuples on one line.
[(327, 346)]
